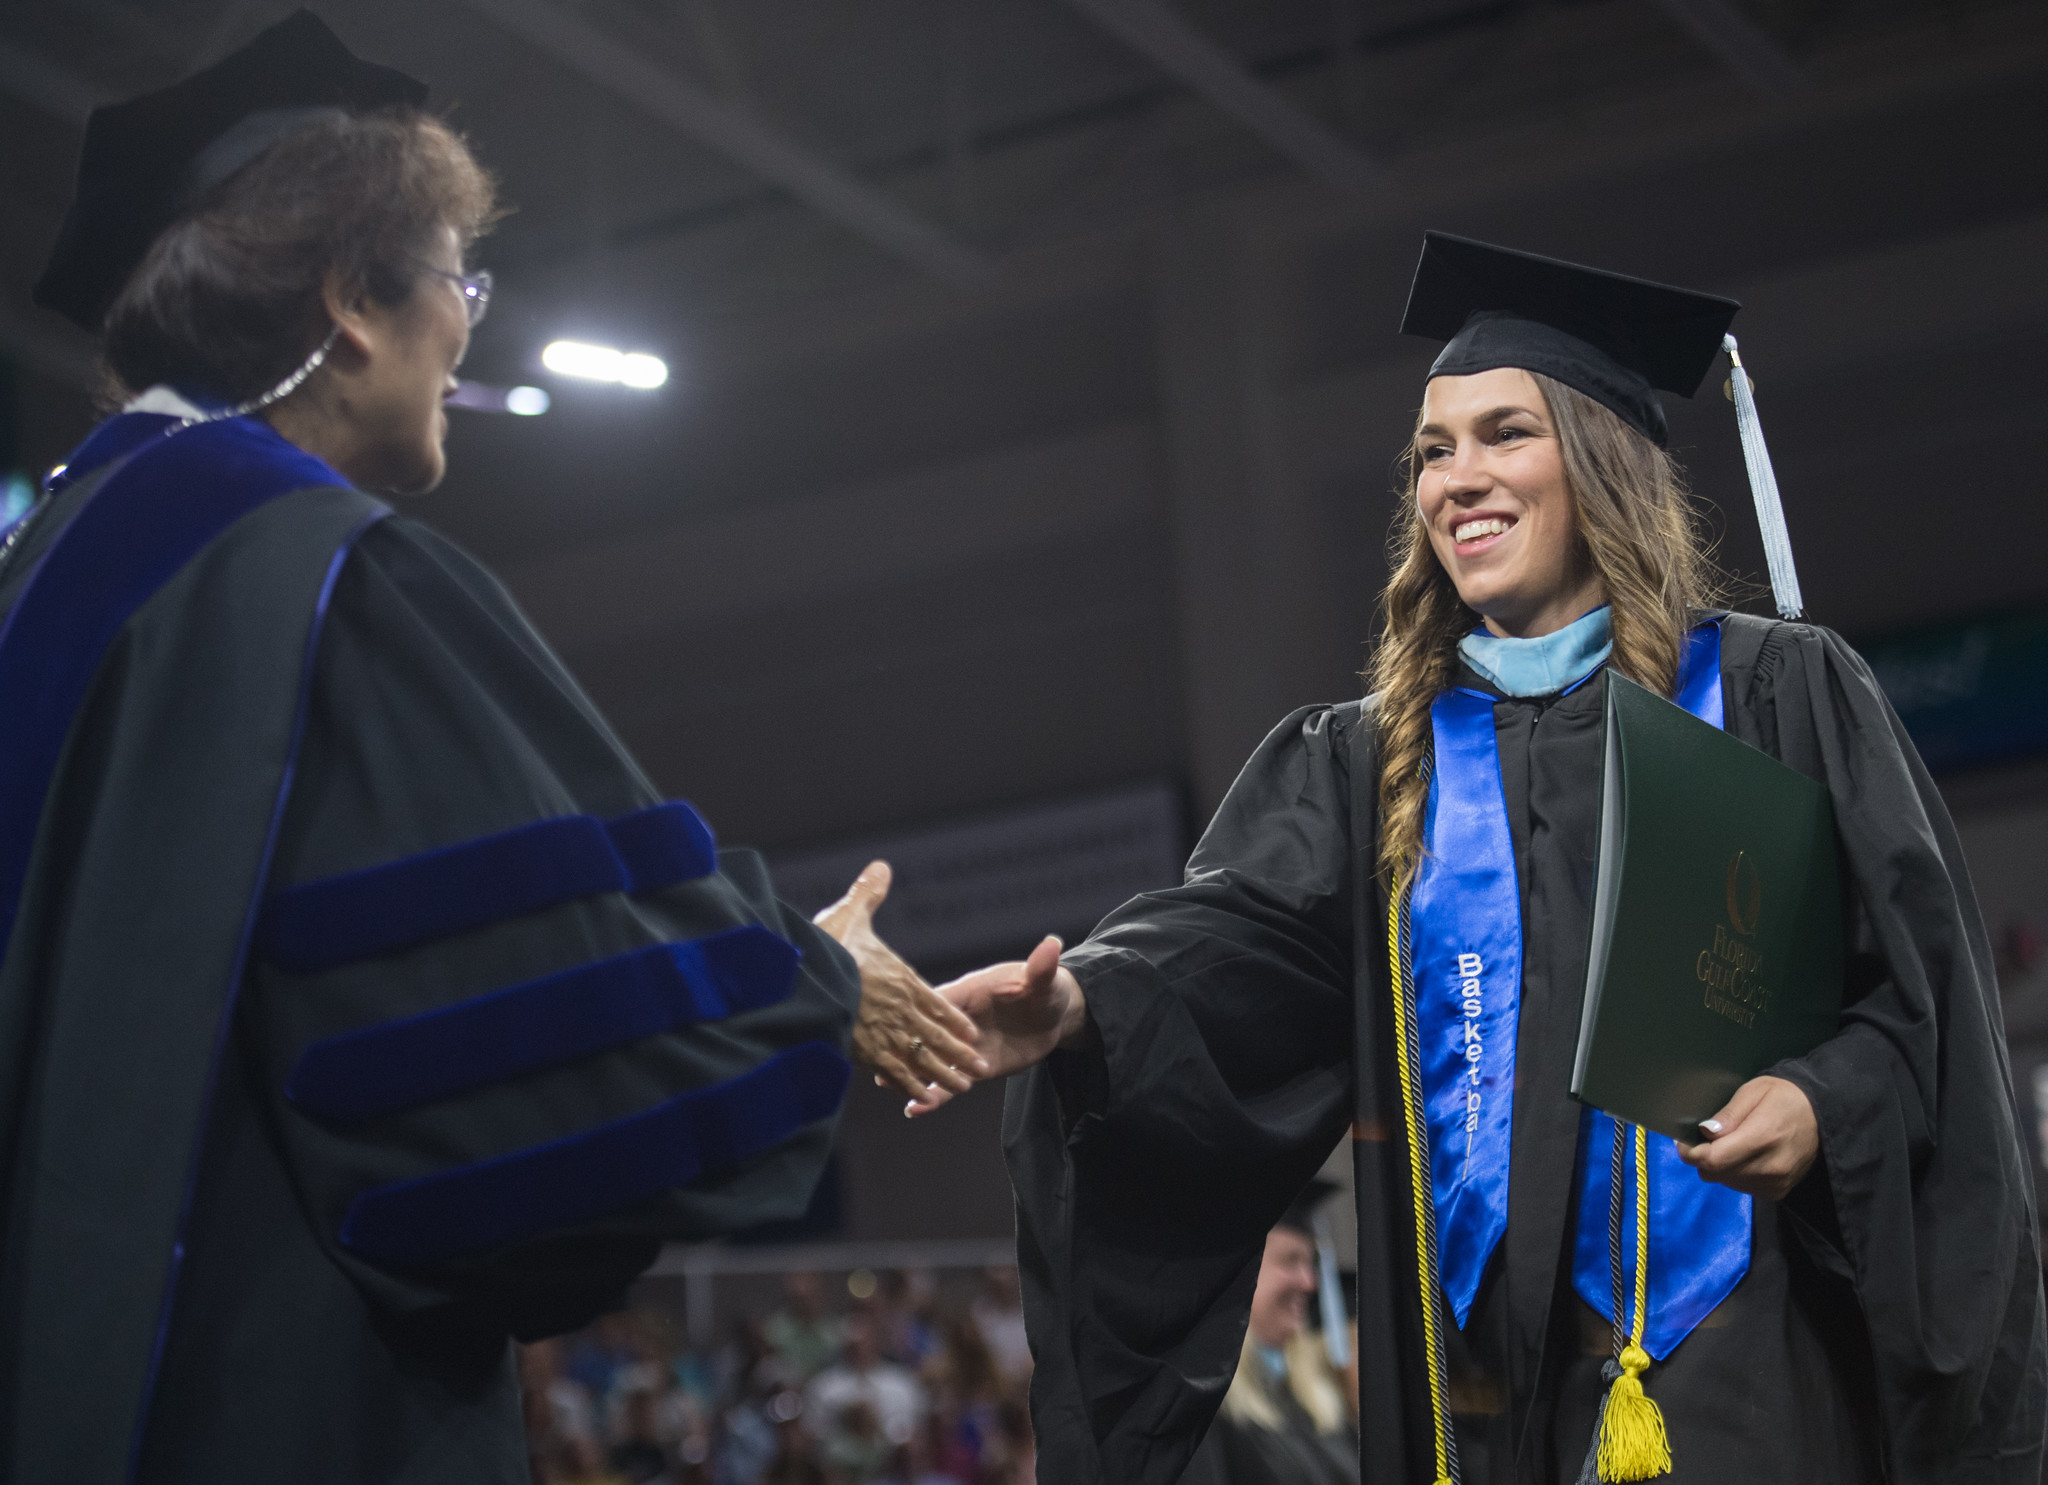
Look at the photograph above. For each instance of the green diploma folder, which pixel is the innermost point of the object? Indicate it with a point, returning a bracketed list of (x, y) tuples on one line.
[(1717, 918)]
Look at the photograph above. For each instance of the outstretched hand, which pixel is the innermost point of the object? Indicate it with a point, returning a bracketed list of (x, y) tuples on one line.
[(910, 1034), (1021, 1009), (1763, 1141)]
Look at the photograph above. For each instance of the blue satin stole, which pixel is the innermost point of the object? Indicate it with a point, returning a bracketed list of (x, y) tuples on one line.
[(1467, 946)]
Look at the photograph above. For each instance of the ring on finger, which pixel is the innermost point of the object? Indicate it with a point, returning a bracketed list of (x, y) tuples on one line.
[(916, 1044)]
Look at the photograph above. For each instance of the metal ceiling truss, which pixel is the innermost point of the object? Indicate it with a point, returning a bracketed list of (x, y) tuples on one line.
[(1157, 32), (1743, 47), (1150, 27), (817, 181)]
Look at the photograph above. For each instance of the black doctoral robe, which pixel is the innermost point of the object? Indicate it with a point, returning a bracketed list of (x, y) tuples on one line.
[(182, 1295), (1891, 1319)]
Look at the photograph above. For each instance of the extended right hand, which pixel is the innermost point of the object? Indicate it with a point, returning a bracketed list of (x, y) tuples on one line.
[(1021, 1009), (906, 1031)]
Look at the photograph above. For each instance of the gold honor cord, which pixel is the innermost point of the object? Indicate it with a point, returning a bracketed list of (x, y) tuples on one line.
[(1408, 1053), (1633, 1444)]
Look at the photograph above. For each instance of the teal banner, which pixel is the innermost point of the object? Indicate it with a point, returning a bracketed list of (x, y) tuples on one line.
[(1971, 694)]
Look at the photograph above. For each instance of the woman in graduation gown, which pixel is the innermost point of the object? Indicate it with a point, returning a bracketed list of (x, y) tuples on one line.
[(1841, 1284), (362, 1004)]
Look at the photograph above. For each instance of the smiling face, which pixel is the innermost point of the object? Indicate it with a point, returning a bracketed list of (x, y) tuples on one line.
[(373, 410), (1492, 494), (1287, 1277), (420, 343)]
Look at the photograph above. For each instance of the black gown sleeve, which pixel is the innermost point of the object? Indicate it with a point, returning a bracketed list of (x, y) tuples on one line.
[(1149, 1168), (1921, 1200), (437, 717)]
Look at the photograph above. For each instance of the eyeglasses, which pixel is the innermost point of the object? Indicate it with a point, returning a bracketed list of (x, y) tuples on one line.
[(476, 290)]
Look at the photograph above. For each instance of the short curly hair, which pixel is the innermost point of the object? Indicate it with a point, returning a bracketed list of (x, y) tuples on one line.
[(227, 302)]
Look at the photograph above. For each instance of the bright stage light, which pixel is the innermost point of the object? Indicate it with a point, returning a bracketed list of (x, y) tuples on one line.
[(643, 371), (600, 363), (528, 402)]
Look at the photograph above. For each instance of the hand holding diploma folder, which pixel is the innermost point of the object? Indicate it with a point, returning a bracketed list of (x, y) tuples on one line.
[(1717, 919)]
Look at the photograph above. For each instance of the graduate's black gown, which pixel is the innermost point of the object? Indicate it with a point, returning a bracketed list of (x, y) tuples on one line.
[(177, 1300), (1890, 1326)]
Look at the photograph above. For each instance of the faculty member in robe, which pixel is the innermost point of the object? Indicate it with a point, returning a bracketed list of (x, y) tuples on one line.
[(362, 1004), (1842, 1283)]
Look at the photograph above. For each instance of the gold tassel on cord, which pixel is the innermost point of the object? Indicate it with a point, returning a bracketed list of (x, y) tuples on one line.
[(1632, 1442), (1633, 1445)]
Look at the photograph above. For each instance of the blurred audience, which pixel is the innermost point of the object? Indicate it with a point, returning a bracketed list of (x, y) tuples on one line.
[(803, 1335), (999, 1311), (903, 1313), (862, 1403), (972, 1392), (894, 1388)]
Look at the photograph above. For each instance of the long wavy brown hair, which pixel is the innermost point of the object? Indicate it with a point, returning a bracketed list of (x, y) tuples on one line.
[(1637, 529)]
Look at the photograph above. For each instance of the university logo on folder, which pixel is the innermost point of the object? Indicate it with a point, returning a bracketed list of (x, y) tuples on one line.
[(1717, 918)]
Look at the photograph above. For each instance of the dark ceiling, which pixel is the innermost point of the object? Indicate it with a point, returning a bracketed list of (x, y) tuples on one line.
[(1000, 124)]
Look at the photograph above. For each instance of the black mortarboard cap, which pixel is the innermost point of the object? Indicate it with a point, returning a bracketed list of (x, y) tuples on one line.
[(1620, 340), (1301, 1212), (147, 160)]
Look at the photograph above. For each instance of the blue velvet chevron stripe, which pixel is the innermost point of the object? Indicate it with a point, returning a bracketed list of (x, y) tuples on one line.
[(174, 496), (416, 899), (572, 1180), (401, 1064)]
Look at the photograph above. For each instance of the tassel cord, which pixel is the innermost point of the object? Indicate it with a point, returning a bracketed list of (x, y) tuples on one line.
[(1642, 1144), (1610, 1371), (1763, 487), (1616, 1172), (1630, 1441), (1408, 1055)]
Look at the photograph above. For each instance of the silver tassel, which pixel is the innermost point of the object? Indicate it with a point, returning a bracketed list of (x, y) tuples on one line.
[(1763, 484), (1589, 1472)]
